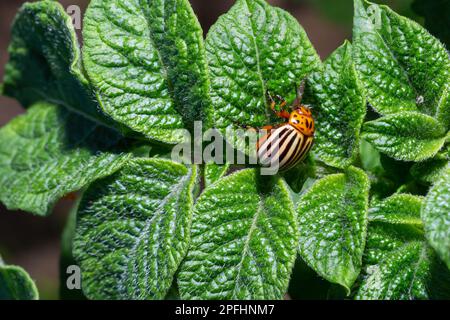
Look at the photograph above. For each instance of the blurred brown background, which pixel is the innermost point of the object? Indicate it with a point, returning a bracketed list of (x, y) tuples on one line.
[(33, 242)]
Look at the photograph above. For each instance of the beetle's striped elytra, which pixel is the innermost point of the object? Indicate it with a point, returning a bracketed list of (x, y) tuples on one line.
[(288, 143)]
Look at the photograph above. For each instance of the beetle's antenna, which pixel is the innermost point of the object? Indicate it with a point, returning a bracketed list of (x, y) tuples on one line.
[(300, 91), (295, 102), (269, 96)]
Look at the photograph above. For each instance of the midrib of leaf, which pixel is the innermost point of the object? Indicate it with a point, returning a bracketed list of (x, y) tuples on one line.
[(413, 222), (404, 247), (118, 51), (161, 61), (74, 110), (133, 255), (144, 233), (67, 178), (79, 76), (444, 96), (343, 219), (402, 67), (416, 137), (391, 52), (258, 59), (163, 69), (247, 245), (74, 66), (227, 72), (423, 255)]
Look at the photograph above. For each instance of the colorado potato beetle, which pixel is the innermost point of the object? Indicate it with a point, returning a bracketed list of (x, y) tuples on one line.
[(288, 143)]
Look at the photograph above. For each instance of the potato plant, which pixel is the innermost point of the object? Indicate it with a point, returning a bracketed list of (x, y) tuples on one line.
[(365, 216)]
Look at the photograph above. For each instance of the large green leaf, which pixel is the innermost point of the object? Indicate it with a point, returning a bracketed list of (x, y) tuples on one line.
[(252, 48), (52, 150), (436, 216), (44, 61), (398, 263), (147, 61), (339, 106), (398, 209), (244, 238), (402, 66), (49, 152), (16, 284), (332, 221), (133, 230), (409, 136), (404, 271)]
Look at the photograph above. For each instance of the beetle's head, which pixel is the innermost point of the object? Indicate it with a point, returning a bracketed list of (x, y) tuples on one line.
[(301, 118)]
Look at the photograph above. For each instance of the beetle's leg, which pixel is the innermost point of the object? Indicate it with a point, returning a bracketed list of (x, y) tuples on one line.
[(299, 90), (263, 133), (244, 126), (271, 100), (282, 101), (298, 99), (283, 113), (268, 127)]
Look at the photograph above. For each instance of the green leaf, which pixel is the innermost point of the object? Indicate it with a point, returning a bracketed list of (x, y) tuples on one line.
[(252, 48), (340, 107), (430, 170), (44, 61), (49, 152), (398, 263), (402, 66), (436, 216), (41, 158), (16, 284), (147, 61), (133, 230), (332, 222), (398, 209), (408, 136), (244, 237), (403, 274), (213, 172), (443, 114)]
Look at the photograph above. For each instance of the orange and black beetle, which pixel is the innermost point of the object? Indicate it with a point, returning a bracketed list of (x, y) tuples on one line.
[(288, 143)]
